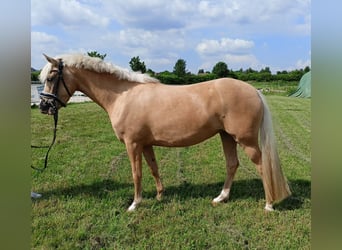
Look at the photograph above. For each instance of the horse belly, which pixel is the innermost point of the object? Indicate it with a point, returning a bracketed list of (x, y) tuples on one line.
[(183, 140), (184, 133)]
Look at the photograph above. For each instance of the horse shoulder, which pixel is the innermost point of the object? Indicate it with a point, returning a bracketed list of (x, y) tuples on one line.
[(130, 112)]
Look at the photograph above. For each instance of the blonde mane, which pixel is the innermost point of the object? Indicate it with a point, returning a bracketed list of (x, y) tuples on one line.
[(98, 65)]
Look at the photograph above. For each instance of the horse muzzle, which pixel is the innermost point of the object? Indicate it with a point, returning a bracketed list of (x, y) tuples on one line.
[(50, 103), (48, 106)]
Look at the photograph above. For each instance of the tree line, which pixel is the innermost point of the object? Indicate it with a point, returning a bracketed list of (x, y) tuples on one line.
[(180, 75)]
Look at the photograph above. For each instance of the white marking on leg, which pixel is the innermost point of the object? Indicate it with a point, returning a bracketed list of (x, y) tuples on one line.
[(132, 206), (222, 197), (269, 207)]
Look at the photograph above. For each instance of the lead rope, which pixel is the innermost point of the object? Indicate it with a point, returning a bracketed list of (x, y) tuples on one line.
[(55, 118)]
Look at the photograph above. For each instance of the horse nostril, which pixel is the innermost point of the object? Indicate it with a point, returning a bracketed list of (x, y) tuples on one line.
[(44, 106), (43, 109)]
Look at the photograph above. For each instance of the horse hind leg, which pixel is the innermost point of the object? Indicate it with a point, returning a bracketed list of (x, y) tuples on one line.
[(253, 152), (150, 158), (232, 163)]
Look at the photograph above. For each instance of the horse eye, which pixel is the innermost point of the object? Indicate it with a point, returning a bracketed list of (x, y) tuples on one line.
[(49, 79)]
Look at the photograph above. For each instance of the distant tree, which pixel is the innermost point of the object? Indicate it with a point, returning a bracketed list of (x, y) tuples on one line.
[(200, 71), (250, 70), (264, 75), (96, 54), (180, 68), (168, 78), (137, 65), (266, 70), (307, 69), (220, 69), (151, 72)]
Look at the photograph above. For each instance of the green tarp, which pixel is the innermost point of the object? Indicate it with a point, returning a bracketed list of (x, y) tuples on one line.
[(304, 87)]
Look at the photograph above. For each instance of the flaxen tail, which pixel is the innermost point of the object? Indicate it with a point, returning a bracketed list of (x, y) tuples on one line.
[(274, 181)]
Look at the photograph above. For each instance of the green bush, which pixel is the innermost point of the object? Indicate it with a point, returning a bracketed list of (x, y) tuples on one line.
[(35, 75)]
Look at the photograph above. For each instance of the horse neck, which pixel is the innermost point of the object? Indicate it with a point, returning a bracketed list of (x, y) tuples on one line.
[(102, 88)]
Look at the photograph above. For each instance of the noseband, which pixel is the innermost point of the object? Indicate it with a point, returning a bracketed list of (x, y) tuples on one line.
[(52, 99)]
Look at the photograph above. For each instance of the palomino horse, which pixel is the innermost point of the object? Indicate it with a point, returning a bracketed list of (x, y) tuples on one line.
[(145, 113)]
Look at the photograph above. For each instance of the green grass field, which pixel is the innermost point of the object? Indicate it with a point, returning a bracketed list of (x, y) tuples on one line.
[(87, 188)]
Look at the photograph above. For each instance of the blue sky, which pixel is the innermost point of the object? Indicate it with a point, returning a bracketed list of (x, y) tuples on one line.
[(242, 33)]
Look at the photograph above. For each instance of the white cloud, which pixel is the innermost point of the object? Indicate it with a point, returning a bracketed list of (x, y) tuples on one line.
[(42, 42), (68, 13), (152, 40), (301, 64), (157, 48), (259, 17), (179, 14), (149, 15), (209, 9), (238, 16), (224, 45), (243, 60), (41, 37), (235, 52)]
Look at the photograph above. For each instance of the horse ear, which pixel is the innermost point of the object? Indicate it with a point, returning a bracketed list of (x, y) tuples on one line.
[(51, 60)]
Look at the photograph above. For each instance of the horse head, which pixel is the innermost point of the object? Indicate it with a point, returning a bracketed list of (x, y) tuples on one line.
[(53, 96)]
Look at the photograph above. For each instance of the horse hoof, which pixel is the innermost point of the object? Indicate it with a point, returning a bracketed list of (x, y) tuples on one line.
[(214, 203), (159, 197), (269, 208), (132, 207)]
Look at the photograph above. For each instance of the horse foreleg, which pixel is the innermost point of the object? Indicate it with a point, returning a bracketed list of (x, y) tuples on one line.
[(152, 163), (134, 153), (232, 163)]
